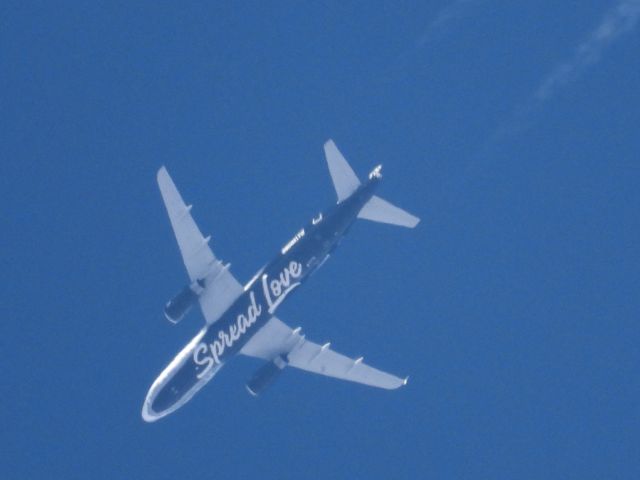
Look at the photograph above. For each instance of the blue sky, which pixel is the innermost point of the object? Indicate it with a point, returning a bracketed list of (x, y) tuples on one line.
[(511, 130)]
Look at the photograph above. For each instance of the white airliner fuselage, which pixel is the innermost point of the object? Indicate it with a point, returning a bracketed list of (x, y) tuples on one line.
[(248, 324)]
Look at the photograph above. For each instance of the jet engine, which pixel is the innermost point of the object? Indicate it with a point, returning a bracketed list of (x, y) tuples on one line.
[(266, 375), (179, 306)]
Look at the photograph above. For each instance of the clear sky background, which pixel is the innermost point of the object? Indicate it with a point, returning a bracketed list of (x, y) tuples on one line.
[(511, 130)]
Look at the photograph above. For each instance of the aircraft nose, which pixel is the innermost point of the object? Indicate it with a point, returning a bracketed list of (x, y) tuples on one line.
[(157, 403), (148, 414), (164, 399)]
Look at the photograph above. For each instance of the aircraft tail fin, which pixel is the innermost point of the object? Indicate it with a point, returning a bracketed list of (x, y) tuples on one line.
[(379, 210), (346, 182), (344, 179)]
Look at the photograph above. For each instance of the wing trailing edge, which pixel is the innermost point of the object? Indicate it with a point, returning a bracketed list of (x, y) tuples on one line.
[(220, 286), (278, 339)]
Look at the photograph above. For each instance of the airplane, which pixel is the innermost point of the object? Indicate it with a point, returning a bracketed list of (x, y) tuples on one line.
[(241, 319)]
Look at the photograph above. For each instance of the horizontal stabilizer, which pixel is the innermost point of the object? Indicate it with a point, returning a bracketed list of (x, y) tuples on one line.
[(344, 179), (379, 210)]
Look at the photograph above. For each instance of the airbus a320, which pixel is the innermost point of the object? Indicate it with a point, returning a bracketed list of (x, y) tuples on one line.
[(242, 319)]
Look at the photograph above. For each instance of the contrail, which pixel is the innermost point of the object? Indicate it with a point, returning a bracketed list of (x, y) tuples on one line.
[(456, 9), (618, 21), (435, 28), (621, 19)]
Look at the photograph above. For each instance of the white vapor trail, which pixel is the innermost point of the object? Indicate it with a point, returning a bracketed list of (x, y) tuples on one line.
[(618, 21), (454, 10), (436, 28)]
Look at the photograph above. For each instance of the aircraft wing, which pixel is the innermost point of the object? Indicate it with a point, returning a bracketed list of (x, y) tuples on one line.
[(221, 287), (276, 338)]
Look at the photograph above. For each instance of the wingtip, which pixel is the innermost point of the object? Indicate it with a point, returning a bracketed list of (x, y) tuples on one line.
[(162, 172)]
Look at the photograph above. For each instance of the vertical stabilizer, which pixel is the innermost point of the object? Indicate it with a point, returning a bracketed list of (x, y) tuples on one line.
[(344, 179)]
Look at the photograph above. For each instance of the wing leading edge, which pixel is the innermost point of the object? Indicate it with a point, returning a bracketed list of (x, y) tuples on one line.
[(276, 338), (221, 287)]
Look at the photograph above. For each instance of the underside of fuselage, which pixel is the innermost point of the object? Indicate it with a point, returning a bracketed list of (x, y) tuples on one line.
[(203, 357), (200, 360)]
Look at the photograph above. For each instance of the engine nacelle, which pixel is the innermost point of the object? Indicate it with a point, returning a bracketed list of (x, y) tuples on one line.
[(179, 306), (266, 375)]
